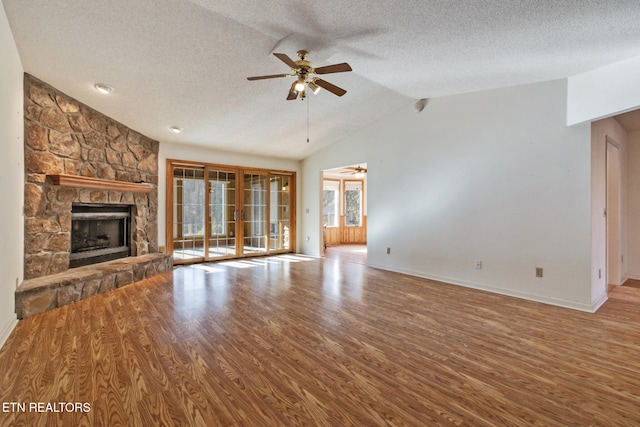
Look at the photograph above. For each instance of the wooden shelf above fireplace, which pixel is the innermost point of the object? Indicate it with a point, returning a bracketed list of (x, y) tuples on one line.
[(100, 184)]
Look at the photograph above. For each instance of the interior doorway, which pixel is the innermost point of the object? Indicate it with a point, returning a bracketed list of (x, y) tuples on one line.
[(613, 211), (344, 206)]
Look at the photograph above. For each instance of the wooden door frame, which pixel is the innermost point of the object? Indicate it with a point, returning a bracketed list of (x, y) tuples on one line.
[(171, 164)]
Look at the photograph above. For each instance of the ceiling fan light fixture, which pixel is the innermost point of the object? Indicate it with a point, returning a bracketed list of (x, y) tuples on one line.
[(293, 93), (314, 87), (305, 72)]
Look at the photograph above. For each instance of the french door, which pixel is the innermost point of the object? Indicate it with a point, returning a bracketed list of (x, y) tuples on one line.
[(218, 212), (221, 213)]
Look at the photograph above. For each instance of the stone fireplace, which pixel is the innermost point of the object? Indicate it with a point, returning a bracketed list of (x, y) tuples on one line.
[(76, 157)]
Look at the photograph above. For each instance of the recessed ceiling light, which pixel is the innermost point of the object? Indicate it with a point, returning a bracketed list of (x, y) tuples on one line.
[(103, 88), (175, 129)]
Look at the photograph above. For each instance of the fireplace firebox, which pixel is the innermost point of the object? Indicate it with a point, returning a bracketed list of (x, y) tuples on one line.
[(99, 233)]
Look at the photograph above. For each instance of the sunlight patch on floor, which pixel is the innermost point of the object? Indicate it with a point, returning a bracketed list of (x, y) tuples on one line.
[(208, 268), (219, 267)]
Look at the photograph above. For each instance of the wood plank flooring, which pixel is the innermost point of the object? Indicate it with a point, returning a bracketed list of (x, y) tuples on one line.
[(292, 341), (633, 283), (348, 253)]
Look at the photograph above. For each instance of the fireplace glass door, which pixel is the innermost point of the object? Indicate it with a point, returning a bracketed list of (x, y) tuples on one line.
[(99, 233)]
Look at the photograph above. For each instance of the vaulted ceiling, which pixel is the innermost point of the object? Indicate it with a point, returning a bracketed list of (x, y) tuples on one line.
[(185, 63)]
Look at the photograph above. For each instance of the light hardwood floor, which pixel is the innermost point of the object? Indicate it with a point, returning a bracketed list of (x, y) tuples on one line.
[(292, 341), (633, 283), (347, 253)]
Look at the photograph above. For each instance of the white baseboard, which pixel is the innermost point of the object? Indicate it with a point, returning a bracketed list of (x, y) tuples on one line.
[(590, 308), (596, 305), (7, 329)]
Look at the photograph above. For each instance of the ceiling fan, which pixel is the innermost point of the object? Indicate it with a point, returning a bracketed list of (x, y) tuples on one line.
[(307, 75), (358, 171)]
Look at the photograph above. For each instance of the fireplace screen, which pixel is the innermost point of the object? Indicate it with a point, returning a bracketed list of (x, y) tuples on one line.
[(99, 233)]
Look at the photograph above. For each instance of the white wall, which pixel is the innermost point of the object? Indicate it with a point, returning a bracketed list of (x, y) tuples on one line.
[(633, 206), (206, 155), (11, 175), (495, 176), (604, 92)]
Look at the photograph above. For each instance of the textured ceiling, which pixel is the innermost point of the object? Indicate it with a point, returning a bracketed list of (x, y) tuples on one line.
[(185, 63)]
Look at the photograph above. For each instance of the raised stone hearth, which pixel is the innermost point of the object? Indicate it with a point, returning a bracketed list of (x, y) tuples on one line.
[(76, 155), (36, 296)]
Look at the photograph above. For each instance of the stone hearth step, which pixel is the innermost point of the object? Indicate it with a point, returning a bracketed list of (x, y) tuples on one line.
[(35, 296)]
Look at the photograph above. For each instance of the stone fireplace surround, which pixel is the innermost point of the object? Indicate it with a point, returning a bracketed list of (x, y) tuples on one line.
[(100, 161)]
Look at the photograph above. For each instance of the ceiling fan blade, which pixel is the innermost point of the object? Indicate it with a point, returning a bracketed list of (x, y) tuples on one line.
[(292, 95), (272, 76), (284, 58), (336, 68), (330, 87)]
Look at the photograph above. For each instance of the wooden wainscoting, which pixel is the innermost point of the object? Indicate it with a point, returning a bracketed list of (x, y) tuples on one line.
[(353, 235), (344, 235)]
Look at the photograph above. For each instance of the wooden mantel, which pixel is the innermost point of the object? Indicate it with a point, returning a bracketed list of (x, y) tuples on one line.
[(100, 184)]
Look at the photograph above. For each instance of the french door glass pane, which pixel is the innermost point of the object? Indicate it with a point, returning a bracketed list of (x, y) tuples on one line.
[(188, 213), (222, 213), (279, 212), (255, 213)]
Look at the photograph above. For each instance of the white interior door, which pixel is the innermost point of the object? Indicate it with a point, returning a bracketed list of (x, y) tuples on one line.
[(613, 215)]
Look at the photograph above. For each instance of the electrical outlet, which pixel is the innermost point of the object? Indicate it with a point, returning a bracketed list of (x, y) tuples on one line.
[(538, 271), (599, 273), (478, 265), (388, 251)]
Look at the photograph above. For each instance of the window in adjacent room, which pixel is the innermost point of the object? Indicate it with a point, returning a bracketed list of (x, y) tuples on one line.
[(353, 203), (330, 209)]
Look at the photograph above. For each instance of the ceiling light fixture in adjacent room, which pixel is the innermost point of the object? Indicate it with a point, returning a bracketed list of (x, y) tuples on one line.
[(175, 129), (103, 88), (420, 104)]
